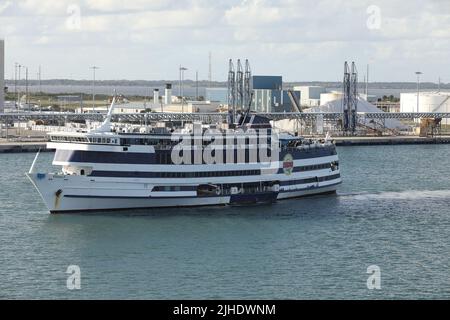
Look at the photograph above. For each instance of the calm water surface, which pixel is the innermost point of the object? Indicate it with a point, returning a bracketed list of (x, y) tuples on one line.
[(392, 211)]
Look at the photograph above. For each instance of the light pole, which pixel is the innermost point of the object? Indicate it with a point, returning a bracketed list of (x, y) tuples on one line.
[(94, 68), (16, 65), (182, 70), (26, 88), (18, 92), (40, 79), (179, 82), (418, 73), (196, 86)]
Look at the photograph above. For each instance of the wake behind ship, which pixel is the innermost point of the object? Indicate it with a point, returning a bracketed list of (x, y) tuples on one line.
[(246, 162)]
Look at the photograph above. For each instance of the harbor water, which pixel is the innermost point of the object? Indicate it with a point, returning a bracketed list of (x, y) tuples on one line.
[(392, 211)]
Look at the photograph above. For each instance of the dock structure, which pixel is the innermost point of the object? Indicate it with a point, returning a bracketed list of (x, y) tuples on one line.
[(206, 117), (22, 147), (386, 141), (8, 119)]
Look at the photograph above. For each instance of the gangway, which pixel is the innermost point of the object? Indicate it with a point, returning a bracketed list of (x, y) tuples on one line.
[(294, 101)]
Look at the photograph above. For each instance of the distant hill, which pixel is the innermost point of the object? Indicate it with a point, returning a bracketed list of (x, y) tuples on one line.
[(220, 84)]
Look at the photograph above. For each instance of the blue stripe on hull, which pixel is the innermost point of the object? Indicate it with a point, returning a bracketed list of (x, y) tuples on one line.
[(234, 198), (81, 156)]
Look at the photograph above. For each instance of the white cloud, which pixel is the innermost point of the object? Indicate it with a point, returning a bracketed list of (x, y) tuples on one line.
[(44, 7), (276, 33), (4, 5), (252, 12), (127, 5)]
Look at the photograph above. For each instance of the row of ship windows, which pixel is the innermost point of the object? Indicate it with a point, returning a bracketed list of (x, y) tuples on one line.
[(69, 139), (165, 158), (333, 165), (169, 142), (103, 140), (248, 185), (85, 140), (236, 173), (138, 141), (244, 157), (210, 174)]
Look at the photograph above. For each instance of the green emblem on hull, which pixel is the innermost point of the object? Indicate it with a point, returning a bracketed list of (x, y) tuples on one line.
[(288, 164)]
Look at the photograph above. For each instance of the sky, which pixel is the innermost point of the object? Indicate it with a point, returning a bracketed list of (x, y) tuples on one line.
[(298, 39)]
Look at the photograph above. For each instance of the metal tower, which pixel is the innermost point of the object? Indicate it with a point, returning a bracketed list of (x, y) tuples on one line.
[(239, 86), (354, 99), (232, 88), (347, 98), (247, 84)]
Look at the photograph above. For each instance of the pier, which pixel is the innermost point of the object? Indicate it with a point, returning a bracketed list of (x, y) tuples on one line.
[(398, 140), (22, 144), (22, 147)]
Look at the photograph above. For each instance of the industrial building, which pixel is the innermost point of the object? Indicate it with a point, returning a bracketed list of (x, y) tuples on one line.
[(267, 83), (310, 95), (269, 96), (334, 106), (427, 102)]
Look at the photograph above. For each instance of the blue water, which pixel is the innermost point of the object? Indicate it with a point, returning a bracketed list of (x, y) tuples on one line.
[(392, 211)]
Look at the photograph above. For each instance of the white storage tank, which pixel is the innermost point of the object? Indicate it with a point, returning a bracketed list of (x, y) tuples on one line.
[(326, 98), (168, 94), (428, 102)]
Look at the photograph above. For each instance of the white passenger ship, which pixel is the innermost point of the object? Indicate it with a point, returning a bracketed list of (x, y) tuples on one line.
[(113, 169)]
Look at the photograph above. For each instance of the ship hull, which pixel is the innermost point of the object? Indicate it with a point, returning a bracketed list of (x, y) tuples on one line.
[(69, 194)]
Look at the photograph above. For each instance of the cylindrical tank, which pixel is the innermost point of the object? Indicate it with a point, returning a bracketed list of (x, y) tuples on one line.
[(329, 97), (156, 96), (428, 102), (168, 94)]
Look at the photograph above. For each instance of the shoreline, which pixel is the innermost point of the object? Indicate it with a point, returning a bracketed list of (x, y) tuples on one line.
[(28, 147)]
